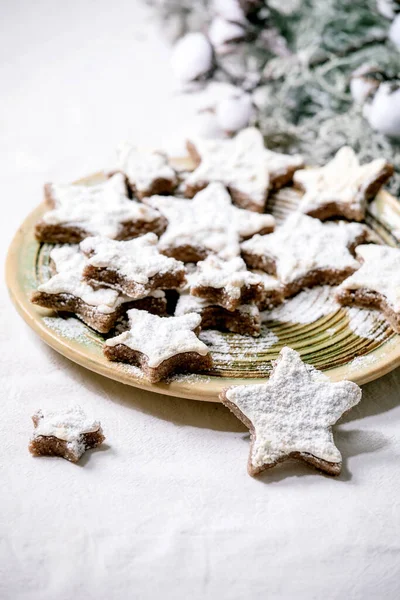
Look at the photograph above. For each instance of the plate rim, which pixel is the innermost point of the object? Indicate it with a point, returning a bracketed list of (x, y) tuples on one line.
[(385, 358)]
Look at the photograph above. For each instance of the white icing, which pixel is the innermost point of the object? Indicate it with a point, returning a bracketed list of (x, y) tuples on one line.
[(68, 280), (242, 163), (137, 260), (294, 411), (303, 244), (99, 209), (379, 272), (192, 304), (160, 338), (268, 282), (143, 168), (208, 221), (232, 275), (341, 180), (67, 425)]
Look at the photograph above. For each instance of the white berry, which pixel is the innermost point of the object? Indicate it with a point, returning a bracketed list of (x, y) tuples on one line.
[(234, 113), (192, 57), (383, 113)]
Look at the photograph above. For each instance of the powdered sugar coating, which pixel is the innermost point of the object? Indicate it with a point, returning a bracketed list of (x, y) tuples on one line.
[(208, 221), (303, 244), (342, 180), (137, 260), (243, 164), (232, 275), (68, 425), (69, 264), (98, 209), (192, 304), (379, 272), (160, 338), (143, 169), (293, 412)]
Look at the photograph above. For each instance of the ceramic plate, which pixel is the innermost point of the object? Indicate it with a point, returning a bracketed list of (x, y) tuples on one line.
[(344, 343)]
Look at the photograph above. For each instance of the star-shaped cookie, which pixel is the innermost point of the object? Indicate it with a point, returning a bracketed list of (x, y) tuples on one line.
[(292, 414), (160, 345), (78, 211), (135, 267), (67, 433), (147, 172), (207, 224), (243, 165), (342, 187), (376, 284), (304, 252)]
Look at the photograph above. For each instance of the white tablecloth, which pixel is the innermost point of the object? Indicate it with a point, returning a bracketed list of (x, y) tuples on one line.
[(165, 509)]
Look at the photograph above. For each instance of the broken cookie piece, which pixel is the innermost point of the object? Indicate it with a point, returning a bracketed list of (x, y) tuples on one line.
[(376, 284), (135, 268), (160, 346), (244, 319), (208, 224), (291, 415), (227, 283), (304, 252), (67, 433), (243, 165), (147, 172), (342, 187), (78, 211)]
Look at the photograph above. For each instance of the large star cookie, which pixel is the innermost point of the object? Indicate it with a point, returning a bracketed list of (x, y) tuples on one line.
[(160, 345), (208, 224), (67, 291), (148, 172), (67, 433), (304, 252), (376, 284), (245, 319), (342, 187), (292, 414), (243, 165), (135, 267), (78, 211), (227, 283)]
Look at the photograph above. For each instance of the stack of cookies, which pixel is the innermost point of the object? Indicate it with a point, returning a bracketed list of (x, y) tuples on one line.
[(173, 252)]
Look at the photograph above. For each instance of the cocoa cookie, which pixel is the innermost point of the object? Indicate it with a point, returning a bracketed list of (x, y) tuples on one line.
[(243, 165), (226, 283), (78, 211), (244, 319), (304, 252), (208, 224), (272, 291), (66, 433), (135, 267), (160, 346), (291, 415), (376, 284), (342, 187), (147, 172)]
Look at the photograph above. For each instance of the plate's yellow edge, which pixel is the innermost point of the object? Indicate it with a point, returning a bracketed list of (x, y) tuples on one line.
[(379, 362)]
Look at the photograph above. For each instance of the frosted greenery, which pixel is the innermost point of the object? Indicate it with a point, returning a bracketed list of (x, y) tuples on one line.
[(296, 60)]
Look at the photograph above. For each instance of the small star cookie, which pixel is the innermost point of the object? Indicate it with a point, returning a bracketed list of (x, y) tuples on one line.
[(342, 187), (243, 165), (227, 283), (292, 414), (148, 172), (160, 346), (135, 267), (67, 433), (78, 211), (208, 224), (99, 308), (244, 319), (304, 252), (376, 284)]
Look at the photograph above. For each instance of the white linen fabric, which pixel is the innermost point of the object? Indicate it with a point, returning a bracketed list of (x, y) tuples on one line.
[(165, 507)]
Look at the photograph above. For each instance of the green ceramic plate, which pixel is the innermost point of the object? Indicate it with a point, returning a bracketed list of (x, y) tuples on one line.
[(346, 344)]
